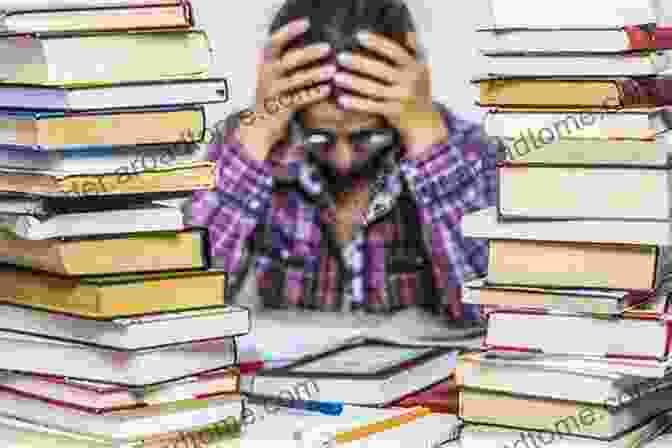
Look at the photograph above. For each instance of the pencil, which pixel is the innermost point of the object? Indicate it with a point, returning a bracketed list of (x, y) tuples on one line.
[(365, 431)]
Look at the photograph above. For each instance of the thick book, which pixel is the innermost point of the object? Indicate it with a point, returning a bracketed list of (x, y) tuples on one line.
[(563, 192), (140, 332), (149, 217), (114, 296), (103, 160), (33, 5), (581, 41), (576, 265), (108, 254), (119, 429), (98, 398), (58, 131), (364, 372), (573, 418), (478, 372), (572, 13), (485, 224), (581, 301), (183, 177), (640, 63), (98, 19), (46, 356), (637, 337), (491, 436), (167, 92), (574, 92), (632, 124), (104, 58)]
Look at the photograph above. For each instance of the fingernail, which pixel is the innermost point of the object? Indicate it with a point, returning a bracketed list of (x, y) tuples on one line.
[(328, 71), (362, 36), (345, 101), (324, 48), (344, 58), (341, 78), (300, 25)]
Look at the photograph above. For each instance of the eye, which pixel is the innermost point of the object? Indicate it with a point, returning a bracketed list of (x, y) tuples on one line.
[(318, 139)]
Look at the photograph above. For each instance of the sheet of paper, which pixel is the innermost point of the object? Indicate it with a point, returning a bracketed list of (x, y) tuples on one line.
[(364, 359)]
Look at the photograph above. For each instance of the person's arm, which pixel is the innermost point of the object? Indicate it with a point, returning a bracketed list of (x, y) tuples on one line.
[(449, 178), (240, 200)]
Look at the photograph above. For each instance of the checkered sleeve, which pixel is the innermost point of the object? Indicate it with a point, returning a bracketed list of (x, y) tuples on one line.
[(449, 180), (240, 200)]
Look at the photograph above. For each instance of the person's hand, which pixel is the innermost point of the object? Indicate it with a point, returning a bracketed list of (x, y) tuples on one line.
[(282, 89), (400, 92)]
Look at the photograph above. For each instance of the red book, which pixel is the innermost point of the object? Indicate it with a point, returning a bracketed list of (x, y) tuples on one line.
[(440, 398)]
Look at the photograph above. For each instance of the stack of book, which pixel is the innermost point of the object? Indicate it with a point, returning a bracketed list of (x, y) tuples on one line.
[(114, 325), (577, 349)]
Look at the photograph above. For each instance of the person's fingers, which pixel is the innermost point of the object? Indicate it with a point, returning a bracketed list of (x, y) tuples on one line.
[(303, 56), (370, 67), (307, 97), (303, 79), (385, 47), (361, 104), (367, 87), (282, 37)]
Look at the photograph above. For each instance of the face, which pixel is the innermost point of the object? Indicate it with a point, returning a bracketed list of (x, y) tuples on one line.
[(354, 150)]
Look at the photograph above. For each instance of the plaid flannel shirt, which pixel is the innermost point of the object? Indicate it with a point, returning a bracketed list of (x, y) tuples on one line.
[(278, 214)]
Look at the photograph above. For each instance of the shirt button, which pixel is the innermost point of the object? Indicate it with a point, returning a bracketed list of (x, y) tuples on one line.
[(254, 204)]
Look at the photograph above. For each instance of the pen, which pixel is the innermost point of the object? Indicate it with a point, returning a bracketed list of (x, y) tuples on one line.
[(323, 407)]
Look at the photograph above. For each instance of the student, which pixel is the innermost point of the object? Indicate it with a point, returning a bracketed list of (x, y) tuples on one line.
[(344, 186)]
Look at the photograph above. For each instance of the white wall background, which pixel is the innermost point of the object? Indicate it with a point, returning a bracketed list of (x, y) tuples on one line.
[(237, 29)]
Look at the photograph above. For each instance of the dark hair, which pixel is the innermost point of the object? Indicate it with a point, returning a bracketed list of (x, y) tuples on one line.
[(337, 21)]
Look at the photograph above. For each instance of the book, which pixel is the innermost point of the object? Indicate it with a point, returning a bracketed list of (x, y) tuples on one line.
[(643, 63), (149, 217), (102, 160), (575, 265), (573, 13), (178, 177), (98, 398), (574, 92), (140, 332), (490, 436), (166, 92), (442, 398), (104, 57), (633, 124), (580, 41), (604, 192), (119, 429), (114, 296), (363, 372), (476, 371), (135, 369), (640, 337), (580, 301), (33, 205), (485, 224), (114, 254), (32, 5), (130, 17), (573, 418), (58, 131)]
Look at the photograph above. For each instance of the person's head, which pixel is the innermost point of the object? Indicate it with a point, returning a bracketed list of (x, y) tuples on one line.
[(336, 22)]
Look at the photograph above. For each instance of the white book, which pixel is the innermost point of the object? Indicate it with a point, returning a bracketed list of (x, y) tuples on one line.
[(173, 92), (602, 65), (482, 436), (116, 429), (573, 13), (33, 354), (141, 218), (511, 41), (630, 123), (484, 224), (137, 333), (31, 5)]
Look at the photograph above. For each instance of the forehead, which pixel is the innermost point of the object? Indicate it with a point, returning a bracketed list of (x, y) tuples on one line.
[(328, 115)]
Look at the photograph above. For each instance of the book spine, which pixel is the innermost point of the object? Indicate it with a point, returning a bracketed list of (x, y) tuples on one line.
[(663, 38), (640, 38)]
